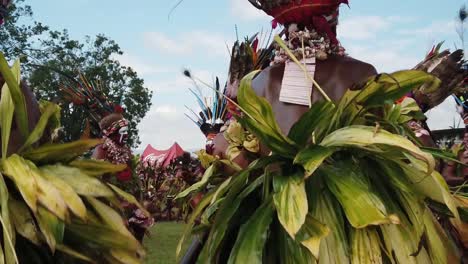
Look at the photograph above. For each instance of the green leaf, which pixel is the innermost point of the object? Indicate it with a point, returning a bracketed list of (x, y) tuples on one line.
[(312, 157), (231, 203), (127, 197), (12, 79), (73, 253), (125, 256), (113, 220), (8, 230), (94, 167), (24, 222), (334, 247), (80, 182), (200, 184), (311, 235), (102, 236), (365, 136), (252, 236), (442, 154), (260, 120), (319, 114), (391, 87), (291, 251), (362, 206), (36, 134), (51, 227), (7, 109), (63, 152), (402, 245), (221, 190), (429, 186), (439, 252), (291, 202), (365, 245), (70, 197), (49, 196), (191, 221), (18, 170)]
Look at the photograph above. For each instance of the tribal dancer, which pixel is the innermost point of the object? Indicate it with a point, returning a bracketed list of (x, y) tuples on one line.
[(338, 180), (109, 118)]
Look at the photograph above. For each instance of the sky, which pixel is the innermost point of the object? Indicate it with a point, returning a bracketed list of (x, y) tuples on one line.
[(391, 35)]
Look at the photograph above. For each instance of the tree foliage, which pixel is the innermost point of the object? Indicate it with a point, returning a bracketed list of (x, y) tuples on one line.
[(49, 56)]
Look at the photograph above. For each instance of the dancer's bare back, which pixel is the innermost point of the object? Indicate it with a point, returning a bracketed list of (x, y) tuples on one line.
[(335, 75)]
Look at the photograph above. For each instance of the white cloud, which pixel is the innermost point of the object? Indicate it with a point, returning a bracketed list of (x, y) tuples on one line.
[(444, 116), (242, 9), (162, 42), (185, 43), (363, 27), (139, 65), (385, 60), (434, 29)]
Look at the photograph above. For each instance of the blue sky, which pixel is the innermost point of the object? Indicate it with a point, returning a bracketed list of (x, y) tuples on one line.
[(391, 35)]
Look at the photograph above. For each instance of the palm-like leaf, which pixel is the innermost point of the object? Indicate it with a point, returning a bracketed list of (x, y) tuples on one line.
[(54, 201)]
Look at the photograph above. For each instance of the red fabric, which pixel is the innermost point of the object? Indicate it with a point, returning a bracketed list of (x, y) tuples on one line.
[(321, 25), (125, 175), (167, 156), (304, 11)]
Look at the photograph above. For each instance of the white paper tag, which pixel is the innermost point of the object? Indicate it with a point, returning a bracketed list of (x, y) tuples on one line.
[(296, 88)]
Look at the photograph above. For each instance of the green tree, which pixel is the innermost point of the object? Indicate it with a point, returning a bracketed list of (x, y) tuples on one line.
[(47, 52)]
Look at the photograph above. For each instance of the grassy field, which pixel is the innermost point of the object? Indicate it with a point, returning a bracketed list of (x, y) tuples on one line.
[(161, 245)]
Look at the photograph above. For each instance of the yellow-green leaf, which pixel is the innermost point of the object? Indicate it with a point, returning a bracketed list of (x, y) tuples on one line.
[(71, 198), (334, 247), (312, 157), (365, 136), (260, 120), (49, 196), (197, 186), (50, 153), (291, 202), (18, 170), (127, 197), (312, 234), (126, 257), (12, 79), (24, 222), (110, 217), (51, 227), (102, 236), (36, 134), (80, 182), (7, 109), (94, 167), (362, 206), (113, 220), (9, 235), (67, 250), (365, 244), (252, 236)]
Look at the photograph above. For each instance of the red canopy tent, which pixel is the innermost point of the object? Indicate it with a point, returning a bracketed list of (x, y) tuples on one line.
[(162, 157)]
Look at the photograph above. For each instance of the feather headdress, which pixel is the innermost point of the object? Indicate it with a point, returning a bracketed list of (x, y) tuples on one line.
[(449, 68), (212, 115), (320, 15), (91, 97)]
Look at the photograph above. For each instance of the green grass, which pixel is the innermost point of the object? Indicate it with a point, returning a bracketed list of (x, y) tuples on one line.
[(161, 245)]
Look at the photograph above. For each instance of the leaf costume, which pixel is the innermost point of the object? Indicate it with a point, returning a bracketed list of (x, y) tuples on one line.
[(349, 182)]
